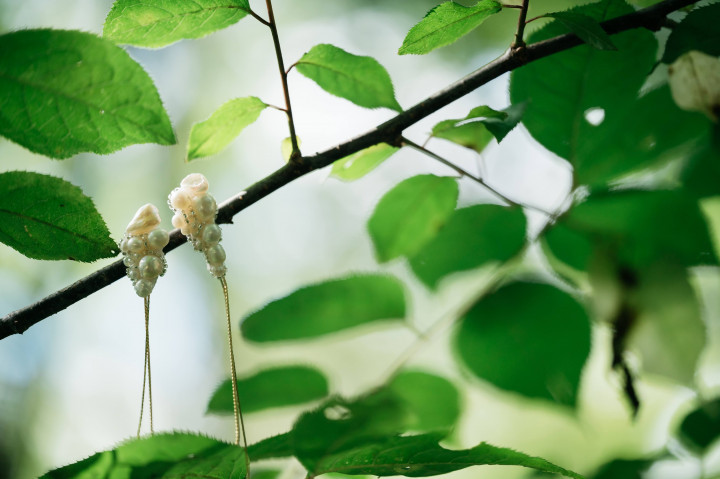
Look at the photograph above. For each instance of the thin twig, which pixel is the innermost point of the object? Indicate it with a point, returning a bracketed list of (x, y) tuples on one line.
[(283, 78), (519, 41), (651, 17), (478, 180)]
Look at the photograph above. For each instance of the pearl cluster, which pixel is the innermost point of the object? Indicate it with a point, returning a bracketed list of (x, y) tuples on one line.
[(195, 210), (141, 247)]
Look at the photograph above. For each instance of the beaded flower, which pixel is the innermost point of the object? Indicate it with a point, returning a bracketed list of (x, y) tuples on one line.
[(195, 210), (141, 247)]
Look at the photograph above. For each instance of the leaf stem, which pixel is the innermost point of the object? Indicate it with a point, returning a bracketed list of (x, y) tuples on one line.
[(463, 172), (258, 18), (519, 42), (283, 78), (534, 18)]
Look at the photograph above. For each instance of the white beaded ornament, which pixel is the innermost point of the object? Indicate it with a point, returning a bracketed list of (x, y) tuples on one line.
[(141, 247), (195, 210)]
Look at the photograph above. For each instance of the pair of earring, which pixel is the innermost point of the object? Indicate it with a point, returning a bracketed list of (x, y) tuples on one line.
[(142, 248)]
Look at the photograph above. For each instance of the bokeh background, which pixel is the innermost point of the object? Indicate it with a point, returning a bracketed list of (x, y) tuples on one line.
[(70, 386)]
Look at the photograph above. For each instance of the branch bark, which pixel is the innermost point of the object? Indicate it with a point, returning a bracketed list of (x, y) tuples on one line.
[(652, 18)]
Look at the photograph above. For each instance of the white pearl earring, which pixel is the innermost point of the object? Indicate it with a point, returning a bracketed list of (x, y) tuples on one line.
[(195, 211), (141, 247)]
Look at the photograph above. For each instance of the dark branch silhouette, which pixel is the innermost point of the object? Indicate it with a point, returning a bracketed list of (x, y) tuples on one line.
[(652, 18)]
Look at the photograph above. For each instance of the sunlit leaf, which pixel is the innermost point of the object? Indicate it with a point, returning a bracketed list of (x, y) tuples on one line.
[(471, 237), (363, 162), (473, 135), (64, 92), (445, 24), (585, 27), (271, 388), (529, 338), (432, 401), (668, 333), (411, 214), (362, 80), (327, 307), (580, 99), (175, 455), (421, 456), (694, 80), (697, 31), (44, 217), (214, 134), (701, 428), (478, 128), (156, 23)]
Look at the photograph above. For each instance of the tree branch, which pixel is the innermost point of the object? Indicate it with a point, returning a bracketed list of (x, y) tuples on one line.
[(390, 132)]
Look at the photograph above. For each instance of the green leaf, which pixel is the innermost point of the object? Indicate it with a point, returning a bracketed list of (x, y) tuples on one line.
[(569, 246), (478, 128), (668, 333), (624, 469), (67, 92), (342, 425), (363, 162), (585, 27), (360, 437), (410, 215), (445, 24), (701, 427), (471, 237), (529, 338), (564, 90), (362, 80), (156, 23), (473, 135), (44, 217), (432, 401), (697, 31), (271, 448), (271, 388), (654, 131), (176, 455), (326, 308), (421, 456), (266, 473), (701, 175), (217, 132), (642, 227)]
